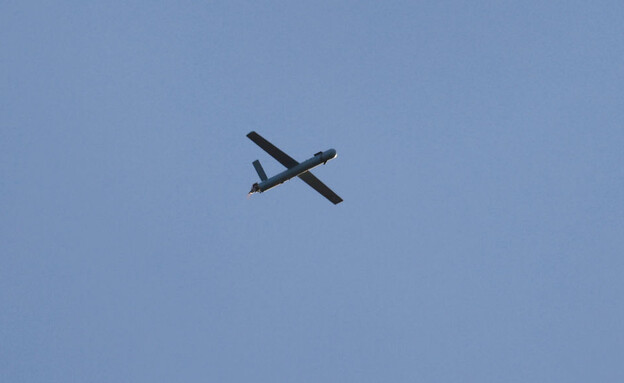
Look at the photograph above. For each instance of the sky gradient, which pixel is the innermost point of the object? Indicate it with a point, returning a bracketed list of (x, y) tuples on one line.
[(481, 237)]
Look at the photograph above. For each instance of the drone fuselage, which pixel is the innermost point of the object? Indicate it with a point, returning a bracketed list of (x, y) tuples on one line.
[(302, 167)]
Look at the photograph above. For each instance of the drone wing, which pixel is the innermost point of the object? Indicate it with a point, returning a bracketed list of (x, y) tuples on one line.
[(268, 147), (320, 187)]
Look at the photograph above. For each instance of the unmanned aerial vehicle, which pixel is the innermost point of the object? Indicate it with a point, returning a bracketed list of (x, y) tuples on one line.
[(294, 169)]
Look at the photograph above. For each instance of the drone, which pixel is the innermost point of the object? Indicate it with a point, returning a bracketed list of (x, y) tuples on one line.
[(294, 169)]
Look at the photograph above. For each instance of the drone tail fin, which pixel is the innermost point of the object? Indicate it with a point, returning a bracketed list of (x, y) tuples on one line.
[(259, 170)]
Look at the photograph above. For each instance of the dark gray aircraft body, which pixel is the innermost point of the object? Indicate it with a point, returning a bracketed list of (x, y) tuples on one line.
[(295, 169)]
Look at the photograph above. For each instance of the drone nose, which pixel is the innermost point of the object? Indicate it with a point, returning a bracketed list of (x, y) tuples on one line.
[(329, 154)]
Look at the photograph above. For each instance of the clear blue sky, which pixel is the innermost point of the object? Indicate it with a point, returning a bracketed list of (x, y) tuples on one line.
[(480, 157)]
